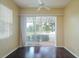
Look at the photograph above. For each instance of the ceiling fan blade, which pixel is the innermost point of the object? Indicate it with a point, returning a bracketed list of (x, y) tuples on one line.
[(39, 8), (47, 8), (40, 2)]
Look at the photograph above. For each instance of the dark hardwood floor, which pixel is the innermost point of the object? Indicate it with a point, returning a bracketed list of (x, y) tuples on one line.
[(41, 52)]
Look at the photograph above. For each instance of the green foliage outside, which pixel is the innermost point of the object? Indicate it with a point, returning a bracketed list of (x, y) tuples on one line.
[(46, 27)]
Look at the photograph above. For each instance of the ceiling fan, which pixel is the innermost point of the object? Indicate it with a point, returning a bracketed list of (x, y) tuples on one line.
[(42, 5)]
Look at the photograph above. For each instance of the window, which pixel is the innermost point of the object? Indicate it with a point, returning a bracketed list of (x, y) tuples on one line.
[(5, 22), (38, 30)]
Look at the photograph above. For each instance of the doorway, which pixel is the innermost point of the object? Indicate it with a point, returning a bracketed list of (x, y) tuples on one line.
[(39, 31)]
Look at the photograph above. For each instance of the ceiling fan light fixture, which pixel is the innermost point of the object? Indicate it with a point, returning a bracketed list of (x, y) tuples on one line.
[(42, 5)]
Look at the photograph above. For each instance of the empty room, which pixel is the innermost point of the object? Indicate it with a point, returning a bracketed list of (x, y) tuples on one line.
[(39, 28)]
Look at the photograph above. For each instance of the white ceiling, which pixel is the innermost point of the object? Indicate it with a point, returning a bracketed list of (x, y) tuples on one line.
[(48, 3)]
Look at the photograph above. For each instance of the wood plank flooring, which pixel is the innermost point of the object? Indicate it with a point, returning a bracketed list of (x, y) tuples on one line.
[(40, 52)]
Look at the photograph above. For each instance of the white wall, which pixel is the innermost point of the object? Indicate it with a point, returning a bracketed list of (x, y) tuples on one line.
[(71, 27), (10, 43)]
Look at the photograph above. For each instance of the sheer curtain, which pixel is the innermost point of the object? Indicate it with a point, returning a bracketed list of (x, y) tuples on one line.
[(37, 32), (22, 30)]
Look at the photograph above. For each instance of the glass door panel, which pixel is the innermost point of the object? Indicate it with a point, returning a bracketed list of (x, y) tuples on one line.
[(41, 30)]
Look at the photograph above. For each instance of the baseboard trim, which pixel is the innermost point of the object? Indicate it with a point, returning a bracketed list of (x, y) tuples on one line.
[(71, 52), (60, 46), (10, 52)]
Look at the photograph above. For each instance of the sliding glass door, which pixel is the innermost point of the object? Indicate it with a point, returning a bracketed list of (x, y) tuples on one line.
[(40, 30)]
